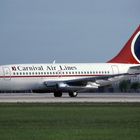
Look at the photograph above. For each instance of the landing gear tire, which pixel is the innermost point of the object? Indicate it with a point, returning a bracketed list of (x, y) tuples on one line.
[(57, 94), (73, 94)]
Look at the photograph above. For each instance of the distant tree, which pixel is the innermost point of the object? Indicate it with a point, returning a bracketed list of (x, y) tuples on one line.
[(124, 85), (135, 86)]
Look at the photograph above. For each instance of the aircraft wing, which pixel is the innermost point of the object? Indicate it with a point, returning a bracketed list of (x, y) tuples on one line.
[(86, 83), (92, 82)]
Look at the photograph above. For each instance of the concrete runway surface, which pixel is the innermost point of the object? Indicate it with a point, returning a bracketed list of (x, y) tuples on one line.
[(82, 97)]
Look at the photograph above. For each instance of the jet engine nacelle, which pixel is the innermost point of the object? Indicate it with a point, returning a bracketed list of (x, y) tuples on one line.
[(92, 85)]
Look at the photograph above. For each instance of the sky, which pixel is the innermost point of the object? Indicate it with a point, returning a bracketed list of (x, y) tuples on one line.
[(67, 31)]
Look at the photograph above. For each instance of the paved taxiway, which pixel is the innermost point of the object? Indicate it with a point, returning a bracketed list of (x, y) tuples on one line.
[(82, 97)]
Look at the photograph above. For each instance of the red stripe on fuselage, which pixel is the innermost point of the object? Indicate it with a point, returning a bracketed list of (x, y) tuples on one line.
[(49, 76)]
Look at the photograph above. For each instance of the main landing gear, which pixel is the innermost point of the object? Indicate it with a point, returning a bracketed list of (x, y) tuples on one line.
[(73, 94), (59, 94)]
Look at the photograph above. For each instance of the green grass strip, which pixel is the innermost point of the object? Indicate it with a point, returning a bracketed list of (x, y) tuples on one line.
[(84, 121)]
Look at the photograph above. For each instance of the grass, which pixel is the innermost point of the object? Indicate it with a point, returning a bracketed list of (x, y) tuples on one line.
[(70, 121)]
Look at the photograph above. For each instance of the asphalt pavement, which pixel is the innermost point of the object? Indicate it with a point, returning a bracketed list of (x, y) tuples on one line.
[(82, 97)]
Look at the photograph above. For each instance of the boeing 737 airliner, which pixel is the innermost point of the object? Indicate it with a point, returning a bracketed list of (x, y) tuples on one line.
[(73, 77)]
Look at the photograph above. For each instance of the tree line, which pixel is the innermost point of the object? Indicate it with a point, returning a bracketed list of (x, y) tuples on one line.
[(127, 86)]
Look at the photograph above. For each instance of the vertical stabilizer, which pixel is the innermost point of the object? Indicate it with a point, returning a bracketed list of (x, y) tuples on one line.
[(131, 51)]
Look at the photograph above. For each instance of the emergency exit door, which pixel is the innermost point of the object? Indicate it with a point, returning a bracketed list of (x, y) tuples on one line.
[(115, 69), (6, 73)]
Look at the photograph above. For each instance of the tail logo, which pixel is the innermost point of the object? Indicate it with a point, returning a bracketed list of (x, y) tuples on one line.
[(135, 47), (130, 53)]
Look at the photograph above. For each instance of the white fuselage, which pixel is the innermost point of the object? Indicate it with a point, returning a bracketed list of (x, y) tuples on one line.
[(33, 76)]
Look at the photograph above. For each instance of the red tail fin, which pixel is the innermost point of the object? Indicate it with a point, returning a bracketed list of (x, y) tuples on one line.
[(131, 51)]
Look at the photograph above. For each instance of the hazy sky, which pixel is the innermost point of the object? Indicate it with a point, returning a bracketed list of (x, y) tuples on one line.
[(39, 31)]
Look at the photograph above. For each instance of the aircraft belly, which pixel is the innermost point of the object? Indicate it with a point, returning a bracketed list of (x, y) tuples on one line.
[(20, 84)]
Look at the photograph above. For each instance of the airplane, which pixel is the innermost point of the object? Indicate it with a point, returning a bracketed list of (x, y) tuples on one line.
[(72, 78)]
